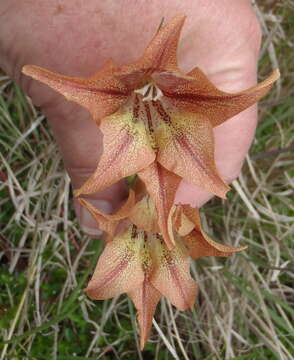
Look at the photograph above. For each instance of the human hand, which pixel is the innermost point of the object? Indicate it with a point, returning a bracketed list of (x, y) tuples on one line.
[(74, 38)]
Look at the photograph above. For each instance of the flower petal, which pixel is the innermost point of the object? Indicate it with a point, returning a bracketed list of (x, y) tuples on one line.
[(145, 299), (161, 185), (171, 275), (186, 148), (127, 150), (119, 267), (199, 95), (160, 55), (102, 94), (182, 224), (198, 243), (106, 222), (144, 215), (162, 50)]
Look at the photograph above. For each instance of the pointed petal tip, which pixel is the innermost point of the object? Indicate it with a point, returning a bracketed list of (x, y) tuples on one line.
[(268, 82), (89, 291), (189, 304), (180, 18), (276, 74), (34, 71), (233, 250), (193, 299), (241, 248), (222, 193), (26, 69), (176, 21), (143, 341)]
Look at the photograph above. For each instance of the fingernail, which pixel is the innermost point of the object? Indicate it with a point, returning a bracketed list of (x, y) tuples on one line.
[(88, 223)]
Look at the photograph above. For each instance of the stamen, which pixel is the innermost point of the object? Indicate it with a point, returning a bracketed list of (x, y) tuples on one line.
[(150, 92), (146, 95)]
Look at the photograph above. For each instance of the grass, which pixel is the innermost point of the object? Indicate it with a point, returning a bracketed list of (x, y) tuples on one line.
[(244, 310)]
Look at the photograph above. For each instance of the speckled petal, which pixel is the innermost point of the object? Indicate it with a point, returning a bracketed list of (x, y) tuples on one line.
[(186, 148), (119, 268), (145, 299), (161, 185), (127, 150), (197, 94), (101, 94), (171, 275), (144, 215), (160, 55), (198, 243), (146, 296)]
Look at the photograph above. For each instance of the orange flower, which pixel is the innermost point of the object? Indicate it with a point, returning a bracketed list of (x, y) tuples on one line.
[(149, 111), (137, 261), (157, 123)]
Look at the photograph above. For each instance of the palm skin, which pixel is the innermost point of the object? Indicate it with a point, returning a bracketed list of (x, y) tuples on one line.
[(75, 38)]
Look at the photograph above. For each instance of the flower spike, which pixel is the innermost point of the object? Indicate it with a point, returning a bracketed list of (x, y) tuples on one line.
[(157, 123)]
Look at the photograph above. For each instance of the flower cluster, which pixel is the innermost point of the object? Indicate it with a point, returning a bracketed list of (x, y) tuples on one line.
[(157, 124)]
